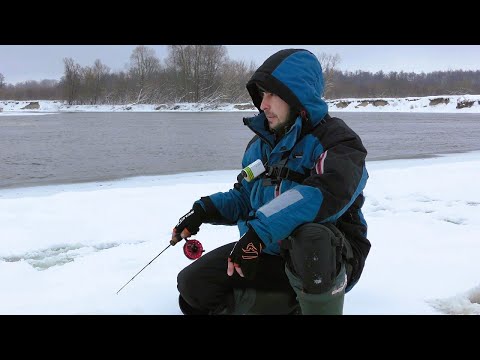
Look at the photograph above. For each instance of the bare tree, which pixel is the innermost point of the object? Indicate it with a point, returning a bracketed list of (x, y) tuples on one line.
[(144, 65), (100, 72), (210, 60), (71, 80), (118, 85), (329, 64), (196, 69), (94, 82), (178, 62), (2, 86), (235, 75)]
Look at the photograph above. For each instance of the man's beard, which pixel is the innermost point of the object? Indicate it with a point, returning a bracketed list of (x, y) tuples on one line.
[(282, 128)]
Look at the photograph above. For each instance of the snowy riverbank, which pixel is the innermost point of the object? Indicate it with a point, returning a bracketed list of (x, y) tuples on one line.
[(67, 249), (440, 104)]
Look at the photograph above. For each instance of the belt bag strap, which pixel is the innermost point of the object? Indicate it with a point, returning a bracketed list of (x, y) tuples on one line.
[(279, 173)]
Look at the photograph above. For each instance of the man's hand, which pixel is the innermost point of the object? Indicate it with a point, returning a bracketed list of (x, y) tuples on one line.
[(189, 224), (245, 255)]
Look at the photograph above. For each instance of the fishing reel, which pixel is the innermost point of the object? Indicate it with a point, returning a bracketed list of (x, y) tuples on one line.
[(192, 248)]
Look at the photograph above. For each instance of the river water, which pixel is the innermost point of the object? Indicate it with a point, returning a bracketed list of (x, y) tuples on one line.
[(79, 147)]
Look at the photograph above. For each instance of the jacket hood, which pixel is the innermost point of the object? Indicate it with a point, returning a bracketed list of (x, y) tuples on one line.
[(296, 76)]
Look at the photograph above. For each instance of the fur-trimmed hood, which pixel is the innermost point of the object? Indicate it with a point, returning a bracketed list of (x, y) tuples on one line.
[(296, 76)]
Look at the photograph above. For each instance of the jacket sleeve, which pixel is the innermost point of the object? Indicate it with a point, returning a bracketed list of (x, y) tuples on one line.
[(226, 208), (338, 177)]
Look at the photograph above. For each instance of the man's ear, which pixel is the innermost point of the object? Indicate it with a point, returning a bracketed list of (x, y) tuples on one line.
[(292, 116)]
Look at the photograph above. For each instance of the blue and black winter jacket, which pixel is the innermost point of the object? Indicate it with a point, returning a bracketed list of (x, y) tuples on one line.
[(325, 156)]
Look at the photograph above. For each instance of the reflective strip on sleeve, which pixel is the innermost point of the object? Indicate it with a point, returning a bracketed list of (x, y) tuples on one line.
[(282, 202)]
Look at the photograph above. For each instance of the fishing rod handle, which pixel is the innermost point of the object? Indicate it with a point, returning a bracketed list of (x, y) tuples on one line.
[(178, 237)]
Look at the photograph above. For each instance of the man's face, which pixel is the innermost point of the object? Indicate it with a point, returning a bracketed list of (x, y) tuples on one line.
[(276, 110)]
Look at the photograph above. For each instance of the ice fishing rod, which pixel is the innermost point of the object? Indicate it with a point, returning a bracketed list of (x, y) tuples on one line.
[(192, 249)]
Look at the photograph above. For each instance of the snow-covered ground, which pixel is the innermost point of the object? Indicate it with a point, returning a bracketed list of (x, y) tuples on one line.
[(68, 249), (441, 104)]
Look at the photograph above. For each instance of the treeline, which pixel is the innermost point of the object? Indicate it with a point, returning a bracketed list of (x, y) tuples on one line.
[(190, 73), (205, 73), (360, 84)]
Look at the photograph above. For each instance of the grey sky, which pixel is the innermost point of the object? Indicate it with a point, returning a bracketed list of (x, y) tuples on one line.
[(36, 62)]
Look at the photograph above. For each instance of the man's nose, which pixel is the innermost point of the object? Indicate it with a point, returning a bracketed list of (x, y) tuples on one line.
[(265, 104)]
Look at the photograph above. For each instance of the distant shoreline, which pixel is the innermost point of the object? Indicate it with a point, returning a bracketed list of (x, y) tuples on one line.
[(437, 103)]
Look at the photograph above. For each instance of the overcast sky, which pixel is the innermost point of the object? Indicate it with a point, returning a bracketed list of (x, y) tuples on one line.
[(37, 62)]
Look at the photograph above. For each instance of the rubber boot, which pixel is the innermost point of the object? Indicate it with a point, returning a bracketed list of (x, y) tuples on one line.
[(327, 303), (251, 301), (187, 309), (274, 303)]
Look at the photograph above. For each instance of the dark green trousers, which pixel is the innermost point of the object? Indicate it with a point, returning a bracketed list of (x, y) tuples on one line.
[(308, 278)]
